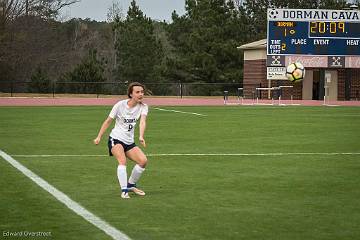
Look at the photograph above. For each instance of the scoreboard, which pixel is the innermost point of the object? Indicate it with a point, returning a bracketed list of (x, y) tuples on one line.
[(313, 32)]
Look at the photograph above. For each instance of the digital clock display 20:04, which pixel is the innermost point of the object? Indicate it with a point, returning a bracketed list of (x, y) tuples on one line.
[(334, 29)]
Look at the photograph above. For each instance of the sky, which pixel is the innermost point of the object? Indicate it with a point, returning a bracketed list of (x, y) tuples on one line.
[(97, 9)]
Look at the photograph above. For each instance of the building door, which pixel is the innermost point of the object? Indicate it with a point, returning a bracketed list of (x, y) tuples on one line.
[(316, 85), (331, 84)]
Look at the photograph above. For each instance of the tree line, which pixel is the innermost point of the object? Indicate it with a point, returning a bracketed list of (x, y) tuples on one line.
[(197, 47)]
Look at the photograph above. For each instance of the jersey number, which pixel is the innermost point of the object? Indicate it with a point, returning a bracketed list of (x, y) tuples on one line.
[(130, 127)]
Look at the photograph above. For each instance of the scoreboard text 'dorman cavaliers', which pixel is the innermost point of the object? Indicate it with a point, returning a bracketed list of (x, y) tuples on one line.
[(314, 32)]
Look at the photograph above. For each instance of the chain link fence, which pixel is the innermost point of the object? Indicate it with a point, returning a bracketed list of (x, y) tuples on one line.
[(102, 89)]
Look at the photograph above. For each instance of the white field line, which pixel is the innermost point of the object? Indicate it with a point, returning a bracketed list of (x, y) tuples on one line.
[(68, 202), (171, 110), (197, 154)]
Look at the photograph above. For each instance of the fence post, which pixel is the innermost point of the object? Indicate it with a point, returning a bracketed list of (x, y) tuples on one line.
[(181, 90), (11, 88), (53, 88)]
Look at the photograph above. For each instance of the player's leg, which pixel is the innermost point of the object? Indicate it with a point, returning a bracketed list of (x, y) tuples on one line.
[(139, 157), (118, 152)]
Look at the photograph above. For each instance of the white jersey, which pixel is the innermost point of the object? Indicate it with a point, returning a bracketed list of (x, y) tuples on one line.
[(126, 118)]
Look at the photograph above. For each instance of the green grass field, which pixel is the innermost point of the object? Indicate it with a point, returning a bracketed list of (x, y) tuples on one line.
[(291, 196)]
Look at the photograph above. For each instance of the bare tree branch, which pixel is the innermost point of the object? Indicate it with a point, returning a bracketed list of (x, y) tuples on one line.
[(64, 4), (12, 9)]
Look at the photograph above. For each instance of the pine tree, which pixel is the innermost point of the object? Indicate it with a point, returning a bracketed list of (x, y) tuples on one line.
[(40, 82), (86, 76), (138, 51), (205, 39)]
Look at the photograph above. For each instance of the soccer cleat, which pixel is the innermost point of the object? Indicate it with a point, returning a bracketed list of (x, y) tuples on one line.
[(137, 191), (125, 195), (132, 188)]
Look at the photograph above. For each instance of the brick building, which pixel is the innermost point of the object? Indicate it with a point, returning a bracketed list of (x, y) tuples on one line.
[(336, 77)]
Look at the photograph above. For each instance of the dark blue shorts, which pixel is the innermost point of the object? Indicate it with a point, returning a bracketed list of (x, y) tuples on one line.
[(112, 142)]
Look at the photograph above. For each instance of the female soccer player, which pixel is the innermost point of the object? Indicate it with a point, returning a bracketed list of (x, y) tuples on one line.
[(121, 140)]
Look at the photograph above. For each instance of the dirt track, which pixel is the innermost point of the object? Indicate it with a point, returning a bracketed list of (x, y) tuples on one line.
[(163, 101)]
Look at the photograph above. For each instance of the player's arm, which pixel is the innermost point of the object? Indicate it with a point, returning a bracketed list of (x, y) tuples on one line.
[(103, 128), (142, 127)]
